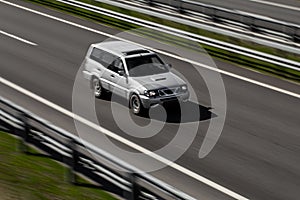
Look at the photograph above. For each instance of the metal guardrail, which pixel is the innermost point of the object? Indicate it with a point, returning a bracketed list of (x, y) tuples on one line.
[(246, 28), (282, 62), (252, 21), (80, 156)]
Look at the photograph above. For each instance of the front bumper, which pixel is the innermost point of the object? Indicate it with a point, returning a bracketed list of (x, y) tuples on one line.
[(152, 101)]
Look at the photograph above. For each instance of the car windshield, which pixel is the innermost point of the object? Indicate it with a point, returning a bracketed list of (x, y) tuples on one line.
[(145, 65)]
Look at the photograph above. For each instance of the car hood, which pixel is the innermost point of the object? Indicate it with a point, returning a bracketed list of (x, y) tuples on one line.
[(159, 81)]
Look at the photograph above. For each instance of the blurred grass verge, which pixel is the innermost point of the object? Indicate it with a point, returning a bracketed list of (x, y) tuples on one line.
[(238, 59), (34, 177)]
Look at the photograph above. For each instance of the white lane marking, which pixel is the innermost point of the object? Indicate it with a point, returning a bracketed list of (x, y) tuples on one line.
[(17, 38), (276, 4), (159, 51), (124, 141)]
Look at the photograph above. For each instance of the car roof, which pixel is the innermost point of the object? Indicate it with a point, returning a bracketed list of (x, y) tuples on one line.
[(121, 48)]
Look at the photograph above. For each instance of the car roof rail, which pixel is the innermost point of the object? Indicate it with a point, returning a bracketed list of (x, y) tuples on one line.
[(133, 52)]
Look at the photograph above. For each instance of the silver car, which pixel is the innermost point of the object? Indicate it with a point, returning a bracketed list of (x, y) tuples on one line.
[(137, 74)]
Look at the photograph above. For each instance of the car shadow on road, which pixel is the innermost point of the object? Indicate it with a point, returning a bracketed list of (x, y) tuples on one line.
[(181, 113), (174, 112)]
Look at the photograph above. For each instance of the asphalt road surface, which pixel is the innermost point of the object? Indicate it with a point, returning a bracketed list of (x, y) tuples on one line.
[(256, 156)]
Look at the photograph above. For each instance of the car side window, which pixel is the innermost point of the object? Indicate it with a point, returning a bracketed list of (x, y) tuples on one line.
[(107, 59), (96, 54), (103, 57), (117, 65)]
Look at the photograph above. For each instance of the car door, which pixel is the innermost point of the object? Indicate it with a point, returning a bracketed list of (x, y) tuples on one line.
[(106, 60), (98, 66), (118, 78)]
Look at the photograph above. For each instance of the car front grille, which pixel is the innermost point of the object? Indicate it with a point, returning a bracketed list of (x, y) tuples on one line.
[(168, 91)]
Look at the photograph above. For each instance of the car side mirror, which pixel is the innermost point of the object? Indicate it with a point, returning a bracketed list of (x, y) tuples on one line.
[(121, 72), (169, 65)]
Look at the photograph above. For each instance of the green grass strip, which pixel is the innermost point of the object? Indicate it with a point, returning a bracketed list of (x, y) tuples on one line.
[(28, 177)]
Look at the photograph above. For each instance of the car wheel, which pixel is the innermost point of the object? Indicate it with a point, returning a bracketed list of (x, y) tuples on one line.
[(98, 90), (136, 105)]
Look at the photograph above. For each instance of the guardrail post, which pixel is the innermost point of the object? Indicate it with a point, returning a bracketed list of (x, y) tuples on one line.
[(135, 189), (214, 16), (149, 2), (179, 6), (295, 36), (71, 175), (252, 25), (24, 134)]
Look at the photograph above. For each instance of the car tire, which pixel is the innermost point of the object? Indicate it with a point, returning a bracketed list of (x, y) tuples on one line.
[(135, 105), (97, 88)]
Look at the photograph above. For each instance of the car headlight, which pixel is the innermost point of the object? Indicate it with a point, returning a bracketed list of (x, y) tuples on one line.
[(151, 93), (184, 88)]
